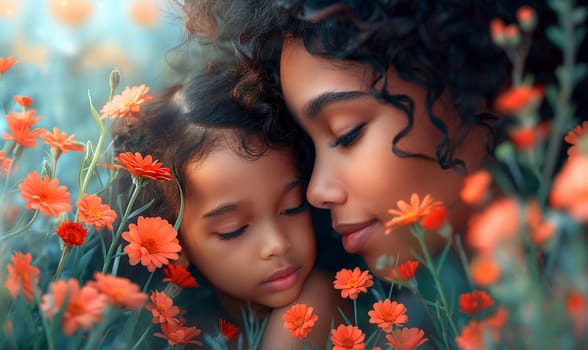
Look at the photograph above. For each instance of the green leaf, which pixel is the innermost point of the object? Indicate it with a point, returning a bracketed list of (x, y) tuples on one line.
[(552, 95), (556, 36), (95, 114), (579, 36), (563, 75), (558, 6)]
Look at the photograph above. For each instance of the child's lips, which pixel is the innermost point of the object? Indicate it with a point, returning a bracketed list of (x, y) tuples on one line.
[(282, 279)]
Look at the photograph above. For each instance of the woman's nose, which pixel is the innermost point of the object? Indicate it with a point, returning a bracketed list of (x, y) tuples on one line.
[(325, 188)]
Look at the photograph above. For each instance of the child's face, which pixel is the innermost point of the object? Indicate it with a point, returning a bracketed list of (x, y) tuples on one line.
[(246, 227), (356, 175)]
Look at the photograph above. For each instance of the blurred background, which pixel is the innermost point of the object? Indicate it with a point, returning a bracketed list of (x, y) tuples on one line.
[(66, 48)]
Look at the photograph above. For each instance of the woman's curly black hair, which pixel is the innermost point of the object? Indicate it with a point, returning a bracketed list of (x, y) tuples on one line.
[(186, 121), (442, 45)]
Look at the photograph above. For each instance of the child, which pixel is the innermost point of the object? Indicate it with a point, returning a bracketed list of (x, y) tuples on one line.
[(246, 226)]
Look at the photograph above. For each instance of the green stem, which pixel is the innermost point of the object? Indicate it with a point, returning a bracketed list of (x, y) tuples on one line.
[(142, 337), (418, 233), (355, 311), (46, 328), (136, 189), (65, 250), (90, 169), (562, 108), (148, 282), (21, 229)]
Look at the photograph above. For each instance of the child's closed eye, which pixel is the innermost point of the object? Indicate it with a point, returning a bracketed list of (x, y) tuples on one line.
[(296, 210), (233, 234)]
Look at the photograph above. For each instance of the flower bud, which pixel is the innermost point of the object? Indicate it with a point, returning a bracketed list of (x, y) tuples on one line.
[(114, 79), (527, 18), (497, 32)]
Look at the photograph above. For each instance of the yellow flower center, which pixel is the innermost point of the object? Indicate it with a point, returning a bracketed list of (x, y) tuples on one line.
[(94, 211)]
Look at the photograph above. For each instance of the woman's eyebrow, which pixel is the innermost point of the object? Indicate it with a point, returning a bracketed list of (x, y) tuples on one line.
[(317, 104), (221, 209)]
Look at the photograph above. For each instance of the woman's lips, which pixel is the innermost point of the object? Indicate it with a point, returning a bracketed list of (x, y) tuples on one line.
[(354, 235), (282, 279)]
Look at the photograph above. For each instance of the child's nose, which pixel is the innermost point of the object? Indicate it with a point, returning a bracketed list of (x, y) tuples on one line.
[(274, 241)]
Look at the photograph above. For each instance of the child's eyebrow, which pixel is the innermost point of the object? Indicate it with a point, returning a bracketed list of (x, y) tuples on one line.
[(221, 209), (293, 184)]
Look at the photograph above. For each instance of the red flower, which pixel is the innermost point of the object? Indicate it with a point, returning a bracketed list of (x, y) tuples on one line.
[(519, 99), (406, 270), (7, 63), (436, 218), (44, 194), (228, 330), (143, 167), (23, 101), (72, 233), (474, 302), (179, 276)]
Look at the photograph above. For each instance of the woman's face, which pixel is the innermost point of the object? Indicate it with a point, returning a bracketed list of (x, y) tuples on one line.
[(246, 226), (356, 175)]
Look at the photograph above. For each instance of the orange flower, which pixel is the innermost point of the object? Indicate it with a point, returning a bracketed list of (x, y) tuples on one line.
[(128, 103), (44, 194), (19, 124), (177, 334), (570, 188), (228, 330), (406, 338), (72, 13), (519, 99), (120, 291), (577, 309), (7, 63), (540, 230), (60, 142), (527, 137), (353, 282), (72, 233), (386, 314), (5, 163), (299, 320), (472, 337), (22, 276), (410, 213), (93, 212), (436, 218), (573, 136), (152, 241), (485, 271), (23, 101), (143, 167), (475, 187), (163, 308), (499, 222), (84, 305), (405, 271), (475, 301), (347, 338), (179, 276)]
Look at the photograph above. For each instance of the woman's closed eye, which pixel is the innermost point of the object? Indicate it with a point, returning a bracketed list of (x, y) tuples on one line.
[(348, 138), (233, 234), (296, 210)]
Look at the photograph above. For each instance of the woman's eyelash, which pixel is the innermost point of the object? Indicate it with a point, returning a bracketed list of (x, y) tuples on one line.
[(347, 139), (293, 211), (232, 234)]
